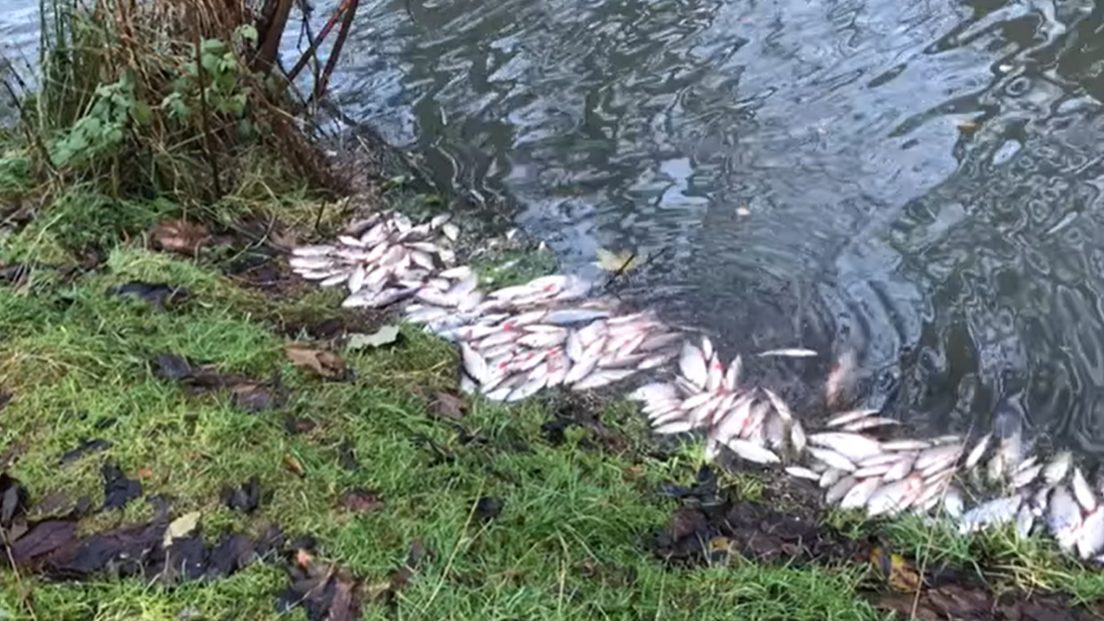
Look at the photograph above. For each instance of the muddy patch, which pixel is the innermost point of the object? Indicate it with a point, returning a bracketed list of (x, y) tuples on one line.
[(713, 526)]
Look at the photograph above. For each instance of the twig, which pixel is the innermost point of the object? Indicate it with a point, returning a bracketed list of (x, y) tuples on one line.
[(208, 146), (335, 53), (345, 5)]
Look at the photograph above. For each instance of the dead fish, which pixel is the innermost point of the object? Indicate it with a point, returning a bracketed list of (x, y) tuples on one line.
[(859, 493), (789, 353), (832, 458), (752, 452), (802, 473), (849, 417), (978, 451), (653, 391), (1082, 492), (868, 423), (992, 513), (1026, 476), (938, 454), (895, 496), (839, 489), (855, 447), (598, 379), (1090, 539), (905, 445), (692, 365), (574, 316), (840, 379), (953, 503), (1064, 518), (830, 477), (1056, 470), (900, 468)]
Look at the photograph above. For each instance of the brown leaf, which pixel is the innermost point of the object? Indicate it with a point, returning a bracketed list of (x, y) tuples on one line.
[(145, 473), (448, 405), (294, 465), (252, 397), (179, 236), (360, 500), (322, 363)]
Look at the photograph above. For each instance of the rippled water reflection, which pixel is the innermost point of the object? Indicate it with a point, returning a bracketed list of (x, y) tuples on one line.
[(920, 179)]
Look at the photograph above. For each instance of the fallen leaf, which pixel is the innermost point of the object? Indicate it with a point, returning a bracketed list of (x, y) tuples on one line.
[(180, 528), (360, 500), (967, 127), (294, 465), (85, 446), (448, 405), (743, 212), (179, 236), (118, 490), (252, 397), (323, 363), (156, 294), (145, 473), (303, 558), (616, 261), (384, 336), (896, 571)]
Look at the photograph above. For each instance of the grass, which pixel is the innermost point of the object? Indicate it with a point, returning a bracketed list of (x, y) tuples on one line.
[(570, 543)]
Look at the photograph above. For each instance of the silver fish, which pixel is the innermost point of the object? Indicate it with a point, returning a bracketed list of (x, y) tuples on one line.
[(1064, 518), (1090, 539), (752, 452), (313, 251), (896, 496), (868, 423), (840, 489), (1058, 467), (849, 417), (832, 458), (789, 353), (855, 447), (802, 473), (859, 493), (992, 513), (692, 365), (602, 378), (1082, 492), (830, 477), (978, 451), (905, 445)]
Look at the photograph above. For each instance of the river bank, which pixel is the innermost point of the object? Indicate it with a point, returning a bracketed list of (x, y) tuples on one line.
[(188, 431)]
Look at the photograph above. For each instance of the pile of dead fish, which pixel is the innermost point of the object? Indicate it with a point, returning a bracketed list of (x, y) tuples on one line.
[(862, 466), (515, 340)]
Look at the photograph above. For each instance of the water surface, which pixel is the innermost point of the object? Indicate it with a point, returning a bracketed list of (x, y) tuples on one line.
[(917, 180)]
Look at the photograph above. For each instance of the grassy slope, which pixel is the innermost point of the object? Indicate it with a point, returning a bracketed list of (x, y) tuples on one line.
[(570, 543)]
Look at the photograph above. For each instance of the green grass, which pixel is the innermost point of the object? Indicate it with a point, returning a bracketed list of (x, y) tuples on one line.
[(571, 541)]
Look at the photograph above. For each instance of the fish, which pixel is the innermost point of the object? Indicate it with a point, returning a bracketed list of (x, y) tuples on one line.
[(1064, 518), (1058, 467), (840, 489), (851, 445), (602, 378), (859, 493), (906, 445), (992, 513), (840, 379), (830, 477), (832, 458), (1090, 539), (1082, 492), (869, 423), (788, 353), (652, 391), (692, 364), (849, 417), (953, 503), (802, 473), (978, 451), (895, 496), (752, 452)]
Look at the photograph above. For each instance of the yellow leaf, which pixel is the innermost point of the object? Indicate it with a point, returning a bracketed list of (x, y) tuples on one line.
[(616, 261), (181, 527), (896, 570)]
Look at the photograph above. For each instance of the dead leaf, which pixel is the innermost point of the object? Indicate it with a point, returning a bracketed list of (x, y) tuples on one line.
[(145, 473), (743, 212), (896, 571), (616, 261), (360, 500), (252, 397), (179, 236), (323, 363), (448, 405), (181, 527), (967, 127), (294, 465), (303, 558), (384, 336)]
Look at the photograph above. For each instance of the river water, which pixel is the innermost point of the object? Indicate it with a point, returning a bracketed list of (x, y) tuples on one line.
[(920, 181)]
